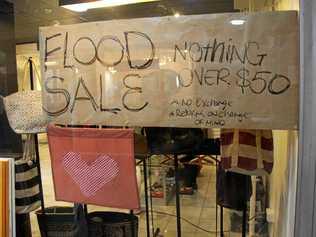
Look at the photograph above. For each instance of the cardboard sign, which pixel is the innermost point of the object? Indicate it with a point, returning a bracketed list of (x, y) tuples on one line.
[(223, 70)]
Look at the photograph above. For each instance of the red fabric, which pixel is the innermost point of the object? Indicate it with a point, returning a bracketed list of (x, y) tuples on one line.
[(247, 139), (94, 166), (247, 154), (245, 163)]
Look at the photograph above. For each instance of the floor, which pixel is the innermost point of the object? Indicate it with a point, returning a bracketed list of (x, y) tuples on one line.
[(198, 211)]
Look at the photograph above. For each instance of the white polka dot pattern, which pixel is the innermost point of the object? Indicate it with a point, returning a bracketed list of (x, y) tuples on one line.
[(25, 113)]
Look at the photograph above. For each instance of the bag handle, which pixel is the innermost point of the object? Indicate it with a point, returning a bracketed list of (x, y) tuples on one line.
[(29, 149), (37, 75), (25, 76), (26, 71)]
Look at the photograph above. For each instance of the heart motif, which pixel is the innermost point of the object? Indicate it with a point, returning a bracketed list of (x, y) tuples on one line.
[(90, 178)]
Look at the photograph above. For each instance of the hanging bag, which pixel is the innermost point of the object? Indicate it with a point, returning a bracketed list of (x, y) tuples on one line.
[(24, 108), (27, 180), (116, 224), (56, 222), (94, 166), (248, 152)]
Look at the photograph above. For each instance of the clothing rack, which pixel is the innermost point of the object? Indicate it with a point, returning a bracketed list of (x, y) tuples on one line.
[(177, 184), (143, 159), (205, 151), (213, 156)]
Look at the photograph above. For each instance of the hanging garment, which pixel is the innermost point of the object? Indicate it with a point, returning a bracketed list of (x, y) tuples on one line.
[(94, 166), (246, 151), (140, 145), (233, 190)]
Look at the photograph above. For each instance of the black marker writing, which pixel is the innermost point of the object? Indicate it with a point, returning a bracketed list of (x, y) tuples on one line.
[(132, 90), (88, 96), (57, 91), (150, 59), (116, 40), (75, 51), (49, 53), (66, 52)]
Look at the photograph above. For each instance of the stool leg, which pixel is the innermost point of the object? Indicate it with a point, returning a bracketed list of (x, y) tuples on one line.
[(176, 164), (40, 183), (244, 222), (133, 224), (146, 196), (151, 201), (222, 221)]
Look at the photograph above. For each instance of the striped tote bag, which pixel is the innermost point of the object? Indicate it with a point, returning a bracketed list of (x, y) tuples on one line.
[(27, 192), (27, 180), (247, 151)]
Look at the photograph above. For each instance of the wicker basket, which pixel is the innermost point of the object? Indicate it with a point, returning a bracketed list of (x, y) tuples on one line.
[(112, 224), (57, 222)]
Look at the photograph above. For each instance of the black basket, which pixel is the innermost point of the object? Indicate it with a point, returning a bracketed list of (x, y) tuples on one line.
[(56, 222), (112, 224)]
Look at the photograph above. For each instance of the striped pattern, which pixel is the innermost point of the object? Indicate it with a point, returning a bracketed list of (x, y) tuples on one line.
[(23, 209), (90, 178), (248, 137), (27, 193), (247, 151), (23, 176)]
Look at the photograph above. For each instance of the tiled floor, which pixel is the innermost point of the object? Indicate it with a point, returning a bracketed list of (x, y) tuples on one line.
[(198, 209)]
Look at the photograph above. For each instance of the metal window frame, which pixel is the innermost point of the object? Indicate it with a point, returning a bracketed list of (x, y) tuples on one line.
[(305, 220)]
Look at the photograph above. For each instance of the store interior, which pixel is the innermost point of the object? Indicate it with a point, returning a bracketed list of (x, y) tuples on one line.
[(200, 214)]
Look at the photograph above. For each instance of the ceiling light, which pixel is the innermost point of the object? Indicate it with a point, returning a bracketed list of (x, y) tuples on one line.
[(76, 7), (85, 6), (48, 11), (52, 63), (237, 22), (177, 14)]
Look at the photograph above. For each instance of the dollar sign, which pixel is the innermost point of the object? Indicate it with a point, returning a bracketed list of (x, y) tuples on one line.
[(242, 81)]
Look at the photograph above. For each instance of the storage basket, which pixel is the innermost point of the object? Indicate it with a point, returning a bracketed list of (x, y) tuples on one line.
[(112, 224), (56, 222)]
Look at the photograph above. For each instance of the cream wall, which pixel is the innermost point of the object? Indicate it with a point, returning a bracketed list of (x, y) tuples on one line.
[(283, 179), (266, 5), (287, 4), (23, 52), (282, 190)]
